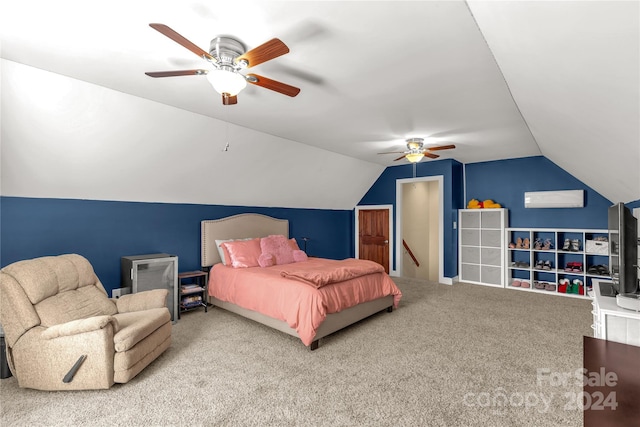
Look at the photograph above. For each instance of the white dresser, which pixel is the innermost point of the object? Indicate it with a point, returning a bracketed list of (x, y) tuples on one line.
[(611, 322)]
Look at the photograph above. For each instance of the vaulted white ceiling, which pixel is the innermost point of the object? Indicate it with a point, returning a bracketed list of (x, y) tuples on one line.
[(498, 79)]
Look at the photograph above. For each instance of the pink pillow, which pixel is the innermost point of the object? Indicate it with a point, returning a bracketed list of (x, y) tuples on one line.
[(243, 253), (266, 260), (278, 246), (299, 256)]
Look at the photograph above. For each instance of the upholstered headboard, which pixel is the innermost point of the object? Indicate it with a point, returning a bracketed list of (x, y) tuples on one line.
[(236, 227)]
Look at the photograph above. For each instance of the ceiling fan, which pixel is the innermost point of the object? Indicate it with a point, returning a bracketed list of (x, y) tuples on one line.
[(229, 56), (416, 150)]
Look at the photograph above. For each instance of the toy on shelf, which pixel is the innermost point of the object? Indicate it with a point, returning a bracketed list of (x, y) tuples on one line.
[(486, 204), (474, 204)]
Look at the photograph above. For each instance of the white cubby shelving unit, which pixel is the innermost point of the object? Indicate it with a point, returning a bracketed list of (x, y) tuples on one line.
[(524, 263), (481, 237)]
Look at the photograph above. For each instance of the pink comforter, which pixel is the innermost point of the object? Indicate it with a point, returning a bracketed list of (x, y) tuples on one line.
[(303, 307), (331, 271)]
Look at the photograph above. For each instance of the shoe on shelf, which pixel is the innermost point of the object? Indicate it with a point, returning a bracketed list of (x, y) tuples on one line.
[(547, 245), (516, 283), (519, 243), (563, 286), (575, 245), (539, 285), (550, 287), (539, 264), (537, 244), (577, 284), (569, 266), (525, 284), (512, 245), (581, 289), (599, 270), (567, 245), (525, 243), (546, 265), (577, 267)]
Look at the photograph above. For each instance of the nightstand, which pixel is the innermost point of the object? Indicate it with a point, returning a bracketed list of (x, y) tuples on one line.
[(193, 290)]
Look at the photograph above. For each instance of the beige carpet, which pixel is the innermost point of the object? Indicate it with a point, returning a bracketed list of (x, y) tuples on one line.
[(461, 355)]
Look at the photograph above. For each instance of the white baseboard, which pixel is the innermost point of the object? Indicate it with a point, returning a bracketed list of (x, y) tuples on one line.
[(449, 280), (444, 281)]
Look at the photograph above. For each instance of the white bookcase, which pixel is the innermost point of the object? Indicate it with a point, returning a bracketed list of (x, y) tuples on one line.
[(549, 265), (481, 250)]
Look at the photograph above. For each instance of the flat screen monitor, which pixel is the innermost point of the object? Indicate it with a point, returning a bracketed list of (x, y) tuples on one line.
[(623, 249)]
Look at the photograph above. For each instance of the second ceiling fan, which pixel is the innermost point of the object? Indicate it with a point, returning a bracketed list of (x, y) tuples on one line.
[(416, 150), (228, 57)]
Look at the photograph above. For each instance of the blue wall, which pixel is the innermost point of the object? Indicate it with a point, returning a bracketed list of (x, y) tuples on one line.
[(105, 231), (505, 181), (633, 205), (383, 192)]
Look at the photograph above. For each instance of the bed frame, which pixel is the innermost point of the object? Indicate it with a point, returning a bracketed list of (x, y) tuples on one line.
[(256, 225)]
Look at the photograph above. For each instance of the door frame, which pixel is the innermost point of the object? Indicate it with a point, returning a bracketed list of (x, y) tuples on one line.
[(399, 184), (357, 230)]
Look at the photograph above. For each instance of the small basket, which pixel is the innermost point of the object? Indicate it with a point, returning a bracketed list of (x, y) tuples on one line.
[(596, 247)]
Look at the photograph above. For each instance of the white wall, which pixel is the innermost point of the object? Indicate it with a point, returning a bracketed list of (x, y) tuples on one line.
[(65, 138)]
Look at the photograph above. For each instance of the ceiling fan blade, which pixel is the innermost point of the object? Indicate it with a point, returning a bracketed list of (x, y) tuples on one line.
[(283, 88), (430, 155), (229, 99), (392, 152), (263, 53), (441, 147), (181, 40), (400, 158), (176, 73)]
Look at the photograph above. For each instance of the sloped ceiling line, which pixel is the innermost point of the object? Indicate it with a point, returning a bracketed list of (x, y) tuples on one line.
[(504, 79)]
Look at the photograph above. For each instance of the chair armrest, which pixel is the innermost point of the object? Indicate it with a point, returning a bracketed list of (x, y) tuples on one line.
[(155, 298), (79, 326), (42, 363)]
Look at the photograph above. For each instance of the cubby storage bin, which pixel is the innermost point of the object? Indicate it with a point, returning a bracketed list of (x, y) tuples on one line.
[(481, 250), (597, 247)]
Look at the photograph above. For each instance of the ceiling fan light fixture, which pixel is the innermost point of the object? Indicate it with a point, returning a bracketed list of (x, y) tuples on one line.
[(415, 143), (224, 81), (414, 157)]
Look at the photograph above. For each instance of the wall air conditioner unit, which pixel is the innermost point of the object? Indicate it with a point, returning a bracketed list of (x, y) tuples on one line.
[(554, 199)]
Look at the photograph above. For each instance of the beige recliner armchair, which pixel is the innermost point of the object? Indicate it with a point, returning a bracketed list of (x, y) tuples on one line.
[(54, 310)]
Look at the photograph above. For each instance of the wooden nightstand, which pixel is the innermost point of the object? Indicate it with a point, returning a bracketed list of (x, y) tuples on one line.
[(193, 290)]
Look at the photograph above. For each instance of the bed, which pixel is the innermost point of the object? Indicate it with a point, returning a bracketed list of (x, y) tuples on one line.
[(371, 293)]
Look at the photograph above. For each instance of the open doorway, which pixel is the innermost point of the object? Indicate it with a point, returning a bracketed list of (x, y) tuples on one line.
[(419, 228)]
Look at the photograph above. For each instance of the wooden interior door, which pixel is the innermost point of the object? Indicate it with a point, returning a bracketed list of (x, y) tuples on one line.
[(373, 236)]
